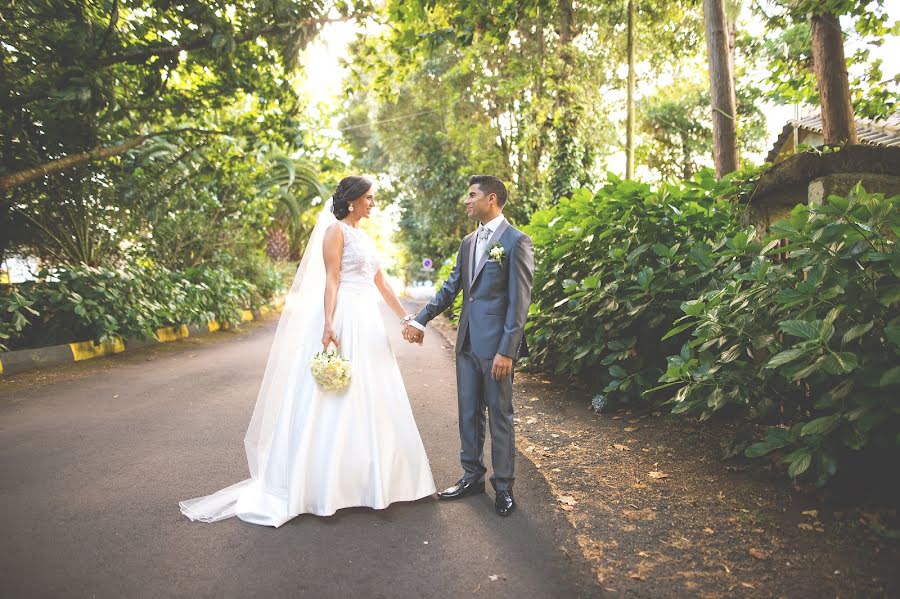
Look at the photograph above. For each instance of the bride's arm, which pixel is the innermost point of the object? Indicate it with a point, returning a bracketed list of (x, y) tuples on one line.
[(387, 292), (332, 252)]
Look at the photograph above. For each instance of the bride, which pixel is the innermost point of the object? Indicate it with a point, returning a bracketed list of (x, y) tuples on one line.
[(312, 451)]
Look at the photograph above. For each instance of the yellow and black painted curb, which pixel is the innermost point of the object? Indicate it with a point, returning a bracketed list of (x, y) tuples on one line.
[(25, 359)]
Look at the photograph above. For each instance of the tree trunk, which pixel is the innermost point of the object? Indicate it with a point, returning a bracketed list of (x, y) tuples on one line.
[(721, 88), (831, 78), (564, 163), (22, 177), (629, 125)]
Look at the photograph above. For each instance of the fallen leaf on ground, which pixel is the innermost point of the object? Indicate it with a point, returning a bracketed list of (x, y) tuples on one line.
[(531, 420), (493, 577), (616, 417), (748, 585), (708, 531), (644, 514), (535, 399), (811, 513), (566, 499), (759, 553), (658, 474), (630, 429), (805, 526), (621, 447), (633, 421)]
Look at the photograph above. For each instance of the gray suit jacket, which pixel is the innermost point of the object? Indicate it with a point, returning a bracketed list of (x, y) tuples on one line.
[(496, 295)]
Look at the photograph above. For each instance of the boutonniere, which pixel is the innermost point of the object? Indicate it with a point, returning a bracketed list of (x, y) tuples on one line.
[(496, 252)]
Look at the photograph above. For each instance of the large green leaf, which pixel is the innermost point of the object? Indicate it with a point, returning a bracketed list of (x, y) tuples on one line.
[(820, 426), (785, 356), (799, 463), (840, 363), (800, 328)]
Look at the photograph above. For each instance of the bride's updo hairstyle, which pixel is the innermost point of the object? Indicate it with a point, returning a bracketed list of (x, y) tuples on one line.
[(348, 189)]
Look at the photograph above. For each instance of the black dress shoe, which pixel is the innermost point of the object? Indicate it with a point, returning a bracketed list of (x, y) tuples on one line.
[(463, 488), (504, 503)]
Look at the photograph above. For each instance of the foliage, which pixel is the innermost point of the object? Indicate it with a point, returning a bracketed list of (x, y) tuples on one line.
[(455, 88), (87, 302), (678, 132), (810, 339), (786, 49), (212, 86), (612, 269)]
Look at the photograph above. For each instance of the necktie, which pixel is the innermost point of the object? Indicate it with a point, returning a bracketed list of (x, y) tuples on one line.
[(481, 240)]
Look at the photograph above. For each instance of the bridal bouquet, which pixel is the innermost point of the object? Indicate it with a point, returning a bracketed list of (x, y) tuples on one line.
[(330, 370)]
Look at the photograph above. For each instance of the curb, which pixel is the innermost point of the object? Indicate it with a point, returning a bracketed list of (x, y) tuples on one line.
[(26, 359)]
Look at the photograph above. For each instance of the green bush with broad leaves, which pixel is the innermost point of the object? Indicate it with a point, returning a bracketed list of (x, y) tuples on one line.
[(77, 303), (612, 270), (807, 337), (665, 296)]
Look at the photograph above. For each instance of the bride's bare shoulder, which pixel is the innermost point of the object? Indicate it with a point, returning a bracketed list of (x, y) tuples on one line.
[(334, 236), (334, 230)]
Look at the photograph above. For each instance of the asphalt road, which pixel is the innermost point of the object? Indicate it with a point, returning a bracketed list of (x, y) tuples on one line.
[(94, 457)]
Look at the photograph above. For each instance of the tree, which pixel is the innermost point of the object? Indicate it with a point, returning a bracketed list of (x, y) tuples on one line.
[(126, 125), (676, 131), (629, 127), (80, 79), (721, 88), (788, 54), (838, 123)]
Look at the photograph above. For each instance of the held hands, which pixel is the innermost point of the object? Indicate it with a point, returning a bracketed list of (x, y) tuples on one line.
[(329, 336), (502, 366), (413, 335)]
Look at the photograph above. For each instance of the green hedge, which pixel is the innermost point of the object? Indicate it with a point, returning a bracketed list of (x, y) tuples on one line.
[(612, 270), (806, 336), (82, 302), (663, 296)]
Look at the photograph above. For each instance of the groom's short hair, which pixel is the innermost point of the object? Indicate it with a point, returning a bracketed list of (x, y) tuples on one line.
[(490, 184)]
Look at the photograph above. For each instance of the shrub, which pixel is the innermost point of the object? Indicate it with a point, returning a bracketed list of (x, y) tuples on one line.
[(79, 302), (811, 342), (612, 270)]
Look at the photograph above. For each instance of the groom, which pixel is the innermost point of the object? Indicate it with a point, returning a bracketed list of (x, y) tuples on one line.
[(494, 270)]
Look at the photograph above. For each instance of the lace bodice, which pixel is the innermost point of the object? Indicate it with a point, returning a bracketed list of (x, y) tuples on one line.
[(360, 261)]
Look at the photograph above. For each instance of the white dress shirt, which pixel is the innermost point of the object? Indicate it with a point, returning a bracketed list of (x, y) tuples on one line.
[(481, 245)]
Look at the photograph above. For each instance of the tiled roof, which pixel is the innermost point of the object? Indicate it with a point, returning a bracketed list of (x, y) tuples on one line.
[(883, 132)]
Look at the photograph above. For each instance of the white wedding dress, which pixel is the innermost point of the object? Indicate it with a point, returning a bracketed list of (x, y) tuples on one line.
[(312, 451)]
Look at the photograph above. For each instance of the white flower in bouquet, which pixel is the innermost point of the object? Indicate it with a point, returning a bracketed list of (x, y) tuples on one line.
[(330, 370)]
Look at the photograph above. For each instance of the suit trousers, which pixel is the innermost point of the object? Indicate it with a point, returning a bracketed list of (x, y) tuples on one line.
[(477, 390)]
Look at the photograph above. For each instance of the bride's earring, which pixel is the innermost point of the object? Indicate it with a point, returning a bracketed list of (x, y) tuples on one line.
[(350, 208)]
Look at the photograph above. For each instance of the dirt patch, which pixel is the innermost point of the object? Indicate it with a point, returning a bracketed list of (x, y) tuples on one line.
[(659, 514)]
